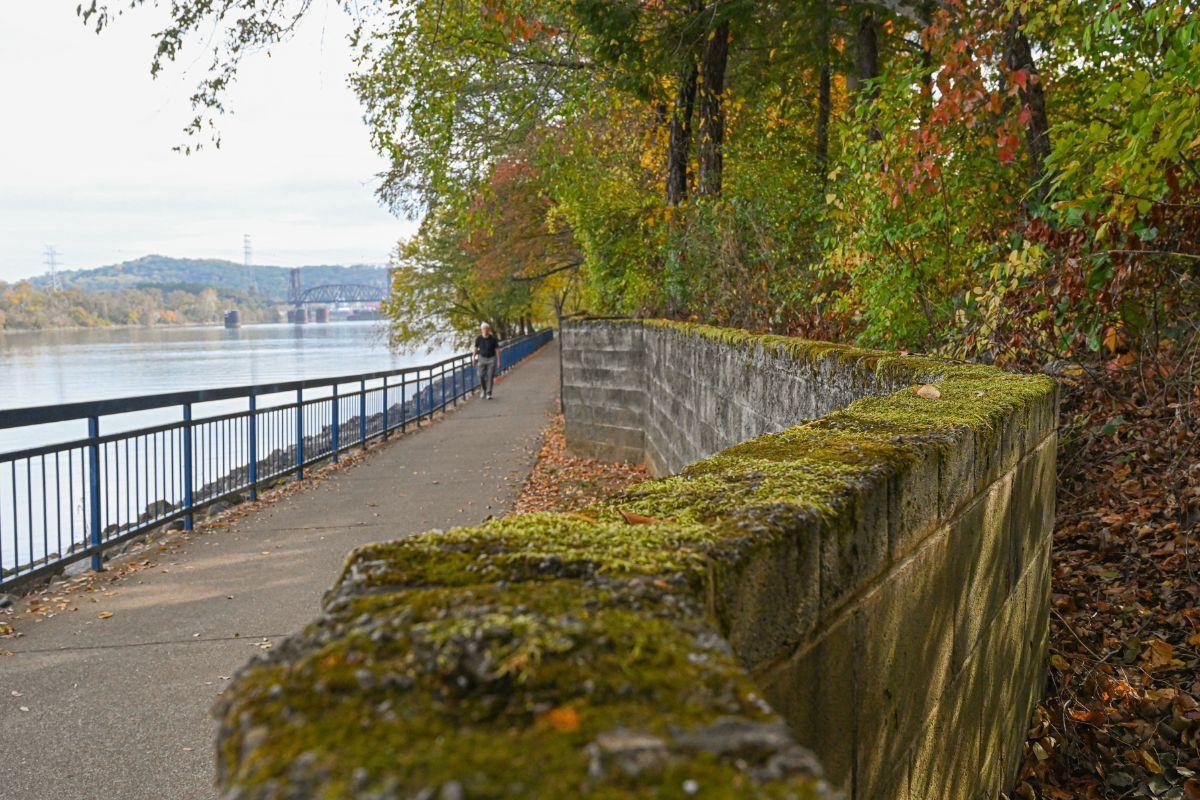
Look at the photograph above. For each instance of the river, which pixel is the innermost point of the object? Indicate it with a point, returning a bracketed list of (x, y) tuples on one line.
[(41, 497), (40, 368)]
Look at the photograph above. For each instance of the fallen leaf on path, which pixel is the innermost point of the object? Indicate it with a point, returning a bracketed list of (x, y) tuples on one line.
[(104, 615)]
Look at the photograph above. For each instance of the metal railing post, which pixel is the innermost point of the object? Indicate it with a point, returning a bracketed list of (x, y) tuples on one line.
[(362, 412), (336, 424), (385, 405), (299, 434), (419, 390), (403, 400), (188, 518), (253, 434), (94, 489)]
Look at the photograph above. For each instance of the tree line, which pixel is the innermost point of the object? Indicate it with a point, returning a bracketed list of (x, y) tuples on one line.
[(24, 306)]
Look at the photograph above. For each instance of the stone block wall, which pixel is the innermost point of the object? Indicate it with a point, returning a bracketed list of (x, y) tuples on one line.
[(903, 638), (635, 393), (869, 585)]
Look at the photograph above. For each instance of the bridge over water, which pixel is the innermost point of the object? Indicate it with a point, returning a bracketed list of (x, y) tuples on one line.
[(299, 297)]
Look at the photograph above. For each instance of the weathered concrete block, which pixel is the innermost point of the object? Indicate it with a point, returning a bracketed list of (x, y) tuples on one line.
[(947, 761), (1007, 686), (816, 691), (1033, 512), (854, 543), (769, 598), (913, 493), (958, 478), (980, 540), (610, 435), (905, 636)]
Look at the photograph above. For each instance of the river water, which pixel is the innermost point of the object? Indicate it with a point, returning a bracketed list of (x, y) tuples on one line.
[(39, 519), (47, 367)]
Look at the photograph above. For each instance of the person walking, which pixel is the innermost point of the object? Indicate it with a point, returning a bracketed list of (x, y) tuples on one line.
[(487, 356)]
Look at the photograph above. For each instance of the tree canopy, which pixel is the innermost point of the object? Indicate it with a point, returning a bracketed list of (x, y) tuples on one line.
[(886, 170)]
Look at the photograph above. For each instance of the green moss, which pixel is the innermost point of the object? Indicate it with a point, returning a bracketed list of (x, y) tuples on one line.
[(883, 363), (531, 547), (501, 689)]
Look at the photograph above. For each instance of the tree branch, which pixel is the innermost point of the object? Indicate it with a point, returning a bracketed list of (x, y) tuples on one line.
[(548, 273)]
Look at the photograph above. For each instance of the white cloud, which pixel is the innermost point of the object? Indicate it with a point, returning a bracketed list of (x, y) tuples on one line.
[(86, 160)]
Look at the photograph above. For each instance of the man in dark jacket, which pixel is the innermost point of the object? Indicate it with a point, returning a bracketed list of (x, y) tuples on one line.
[(487, 355)]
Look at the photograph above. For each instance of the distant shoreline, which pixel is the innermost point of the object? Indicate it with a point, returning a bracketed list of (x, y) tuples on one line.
[(127, 326)]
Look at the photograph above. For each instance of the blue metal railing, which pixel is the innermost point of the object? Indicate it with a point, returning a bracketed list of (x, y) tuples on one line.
[(71, 500)]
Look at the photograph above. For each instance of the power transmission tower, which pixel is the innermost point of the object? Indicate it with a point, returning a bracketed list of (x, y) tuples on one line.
[(247, 259), (52, 264)]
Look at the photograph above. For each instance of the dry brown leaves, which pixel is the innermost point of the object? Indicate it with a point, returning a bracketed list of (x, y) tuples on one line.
[(562, 482), (1120, 716)]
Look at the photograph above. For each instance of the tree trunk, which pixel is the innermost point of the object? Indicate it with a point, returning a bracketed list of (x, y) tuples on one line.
[(866, 62), (681, 137), (926, 84), (824, 106), (866, 55), (824, 110), (1018, 55), (712, 111)]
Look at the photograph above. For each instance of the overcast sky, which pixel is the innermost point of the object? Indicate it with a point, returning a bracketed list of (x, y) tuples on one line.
[(86, 160)]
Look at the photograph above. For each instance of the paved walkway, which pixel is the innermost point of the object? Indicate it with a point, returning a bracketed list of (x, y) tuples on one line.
[(119, 707)]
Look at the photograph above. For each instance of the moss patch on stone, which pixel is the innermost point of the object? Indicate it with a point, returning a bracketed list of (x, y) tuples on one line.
[(599, 688)]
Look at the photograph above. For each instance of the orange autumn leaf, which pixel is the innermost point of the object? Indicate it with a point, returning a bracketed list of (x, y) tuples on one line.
[(564, 719), (640, 519), (1157, 655)]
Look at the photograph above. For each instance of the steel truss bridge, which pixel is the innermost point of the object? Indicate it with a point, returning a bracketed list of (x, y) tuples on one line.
[(334, 293), (339, 293)]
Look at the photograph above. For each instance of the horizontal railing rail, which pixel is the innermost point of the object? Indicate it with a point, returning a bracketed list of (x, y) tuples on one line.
[(66, 501)]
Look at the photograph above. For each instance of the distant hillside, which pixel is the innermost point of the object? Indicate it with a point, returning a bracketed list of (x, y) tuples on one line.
[(195, 274)]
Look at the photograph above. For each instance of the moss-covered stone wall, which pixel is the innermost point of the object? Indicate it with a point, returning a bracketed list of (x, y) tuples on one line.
[(897, 617), (871, 585)]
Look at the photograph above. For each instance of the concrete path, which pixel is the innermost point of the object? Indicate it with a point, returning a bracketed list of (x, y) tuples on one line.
[(119, 707)]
